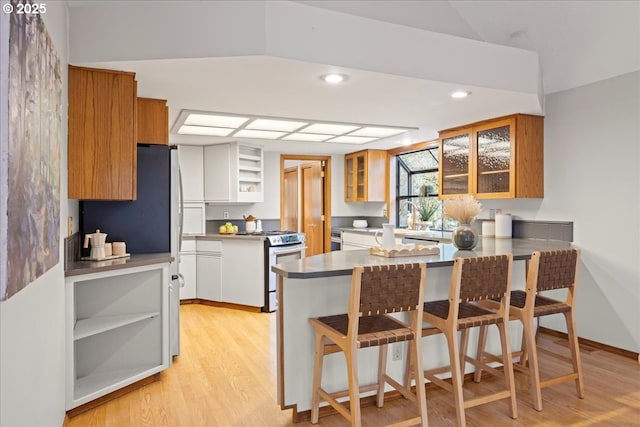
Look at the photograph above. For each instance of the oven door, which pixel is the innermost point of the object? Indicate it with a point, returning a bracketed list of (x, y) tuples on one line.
[(279, 255)]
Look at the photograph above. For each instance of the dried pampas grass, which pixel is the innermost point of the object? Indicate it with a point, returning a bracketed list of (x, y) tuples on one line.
[(462, 209)]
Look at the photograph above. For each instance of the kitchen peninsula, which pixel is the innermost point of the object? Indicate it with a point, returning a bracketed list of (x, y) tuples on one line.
[(320, 286)]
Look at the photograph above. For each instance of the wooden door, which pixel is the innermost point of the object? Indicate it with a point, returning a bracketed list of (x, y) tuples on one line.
[(312, 207), (290, 217)]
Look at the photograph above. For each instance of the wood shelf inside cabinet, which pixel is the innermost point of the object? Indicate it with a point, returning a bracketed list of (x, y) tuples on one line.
[(95, 325), (493, 172), (97, 381), (456, 175)]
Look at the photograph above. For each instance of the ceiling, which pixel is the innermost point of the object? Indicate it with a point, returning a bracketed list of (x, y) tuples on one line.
[(578, 43)]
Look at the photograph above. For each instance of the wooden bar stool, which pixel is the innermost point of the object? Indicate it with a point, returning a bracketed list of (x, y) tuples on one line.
[(548, 270), (473, 279), (375, 291)]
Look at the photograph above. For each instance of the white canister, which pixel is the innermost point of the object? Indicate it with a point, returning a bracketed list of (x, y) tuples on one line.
[(250, 226), (488, 228), (503, 226)]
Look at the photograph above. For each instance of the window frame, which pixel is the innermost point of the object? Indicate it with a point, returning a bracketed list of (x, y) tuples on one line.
[(401, 165)]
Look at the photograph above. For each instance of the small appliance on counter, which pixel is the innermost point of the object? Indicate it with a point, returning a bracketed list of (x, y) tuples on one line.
[(100, 250)]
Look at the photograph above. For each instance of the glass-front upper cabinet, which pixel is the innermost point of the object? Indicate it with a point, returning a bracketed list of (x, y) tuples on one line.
[(455, 162), (349, 193), (365, 175), (494, 158)]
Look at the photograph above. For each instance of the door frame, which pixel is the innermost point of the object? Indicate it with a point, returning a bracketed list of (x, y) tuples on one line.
[(326, 211)]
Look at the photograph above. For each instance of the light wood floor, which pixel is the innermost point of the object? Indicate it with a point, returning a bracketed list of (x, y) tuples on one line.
[(226, 376)]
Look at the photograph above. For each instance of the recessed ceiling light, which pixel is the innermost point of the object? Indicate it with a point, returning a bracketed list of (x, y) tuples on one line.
[(377, 132), (204, 130), (262, 134), (275, 125), (334, 78), (215, 120), (352, 139), (313, 137), (459, 94), (328, 128)]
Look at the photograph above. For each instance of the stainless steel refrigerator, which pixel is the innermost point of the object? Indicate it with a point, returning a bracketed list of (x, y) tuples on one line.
[(150, 224)]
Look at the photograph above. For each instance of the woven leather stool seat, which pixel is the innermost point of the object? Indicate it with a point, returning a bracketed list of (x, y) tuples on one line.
[(469, 315), (543, 306), (372, 330)]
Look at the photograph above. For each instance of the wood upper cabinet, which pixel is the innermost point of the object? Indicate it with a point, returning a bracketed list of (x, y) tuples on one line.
[(499, 158), (102, 134), (365, 176), (153, 121)]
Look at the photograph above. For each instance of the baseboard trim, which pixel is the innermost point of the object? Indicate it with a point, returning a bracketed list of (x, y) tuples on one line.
[(221, 304), (594, 344)]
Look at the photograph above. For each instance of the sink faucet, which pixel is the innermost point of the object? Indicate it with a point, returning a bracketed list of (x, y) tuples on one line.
[(411, 217)]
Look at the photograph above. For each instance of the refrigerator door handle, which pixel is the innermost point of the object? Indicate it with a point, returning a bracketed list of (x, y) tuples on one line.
[(181, 210), (181, 280)]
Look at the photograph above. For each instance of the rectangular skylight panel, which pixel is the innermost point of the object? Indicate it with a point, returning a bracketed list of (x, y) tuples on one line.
[(352, 139), (376, 132), (275, 125), (204, 130), (328, 129), (262, 134), (215, 120), (312, 137)]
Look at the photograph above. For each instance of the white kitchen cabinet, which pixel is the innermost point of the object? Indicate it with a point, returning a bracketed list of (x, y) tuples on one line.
[(191, 159), (117, 330), (193, 218), (233, 173), (209, 269), (189, 270), (361, 240), (243, 275)]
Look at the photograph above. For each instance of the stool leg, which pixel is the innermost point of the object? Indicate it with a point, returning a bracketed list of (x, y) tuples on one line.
[(575, 352), (507, 360), (482, 342), (456, 380), (416, 356), (529, 342), (354, 386), (464, 342), (382, 370), (317, 378), (409, 367)]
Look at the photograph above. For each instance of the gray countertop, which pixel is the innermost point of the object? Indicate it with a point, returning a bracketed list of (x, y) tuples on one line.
[(341, 263), (76, 268), (218, 236)]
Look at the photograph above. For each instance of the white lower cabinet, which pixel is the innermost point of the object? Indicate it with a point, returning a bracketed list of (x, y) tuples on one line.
[(243, 275), (117, 330), (188, 269), (209, 269)]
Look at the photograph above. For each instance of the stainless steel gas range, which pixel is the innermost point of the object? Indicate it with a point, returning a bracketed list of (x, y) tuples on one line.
[(280, 246)]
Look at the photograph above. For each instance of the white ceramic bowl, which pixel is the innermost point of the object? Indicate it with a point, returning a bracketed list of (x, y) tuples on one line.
[(360, 223)]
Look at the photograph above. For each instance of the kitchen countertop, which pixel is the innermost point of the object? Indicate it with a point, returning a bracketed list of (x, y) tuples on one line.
[(218, 236), (341, 263), (76, 268)]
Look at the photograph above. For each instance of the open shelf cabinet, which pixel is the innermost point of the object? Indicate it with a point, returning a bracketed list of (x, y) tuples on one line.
[(117, 330)]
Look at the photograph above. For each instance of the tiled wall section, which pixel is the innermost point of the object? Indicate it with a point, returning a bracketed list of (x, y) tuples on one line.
[(532, 229)]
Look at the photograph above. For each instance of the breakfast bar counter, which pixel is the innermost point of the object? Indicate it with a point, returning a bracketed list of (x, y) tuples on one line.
[(320, 285)]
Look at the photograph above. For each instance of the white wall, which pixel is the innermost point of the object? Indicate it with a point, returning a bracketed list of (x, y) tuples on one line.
[(592, 153), (32, 368)]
